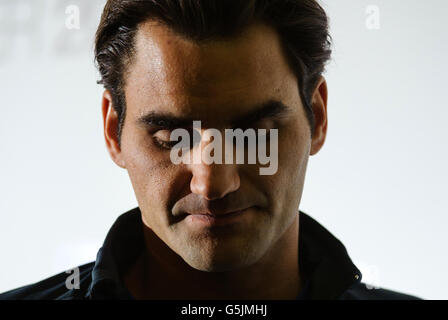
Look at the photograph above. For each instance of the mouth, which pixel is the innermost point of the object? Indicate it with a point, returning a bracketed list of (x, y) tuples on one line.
[(211, 220)]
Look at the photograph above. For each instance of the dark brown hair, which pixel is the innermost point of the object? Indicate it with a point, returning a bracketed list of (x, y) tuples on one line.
[(301, 24)]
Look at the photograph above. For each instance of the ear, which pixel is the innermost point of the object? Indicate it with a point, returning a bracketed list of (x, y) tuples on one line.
[(319, 106), (110, 124)]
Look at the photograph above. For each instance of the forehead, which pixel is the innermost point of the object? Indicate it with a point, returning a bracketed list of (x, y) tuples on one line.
[(216, 78)]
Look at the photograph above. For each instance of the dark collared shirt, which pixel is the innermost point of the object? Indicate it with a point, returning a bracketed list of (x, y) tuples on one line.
[(325, 266)]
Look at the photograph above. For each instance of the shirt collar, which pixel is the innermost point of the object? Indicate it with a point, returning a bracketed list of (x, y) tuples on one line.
[(323, 260), (120, 249)]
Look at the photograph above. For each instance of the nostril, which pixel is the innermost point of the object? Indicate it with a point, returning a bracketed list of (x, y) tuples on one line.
[(211, 190), (206, 190), (214, 181)]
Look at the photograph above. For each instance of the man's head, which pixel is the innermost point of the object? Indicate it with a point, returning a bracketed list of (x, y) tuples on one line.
[(165, 63)]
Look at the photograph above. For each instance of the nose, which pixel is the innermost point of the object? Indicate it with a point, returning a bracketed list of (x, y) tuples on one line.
[(212, 180)]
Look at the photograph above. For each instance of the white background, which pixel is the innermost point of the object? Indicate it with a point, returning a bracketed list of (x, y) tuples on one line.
[(379, 184)]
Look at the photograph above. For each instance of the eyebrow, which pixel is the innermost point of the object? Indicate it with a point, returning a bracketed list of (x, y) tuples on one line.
[(165, 120), (268, 109)]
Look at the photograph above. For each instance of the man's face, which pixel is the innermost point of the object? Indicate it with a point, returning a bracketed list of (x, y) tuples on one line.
[(214, 82)]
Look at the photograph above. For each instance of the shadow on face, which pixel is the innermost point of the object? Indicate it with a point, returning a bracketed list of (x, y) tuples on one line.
[(173, 81)]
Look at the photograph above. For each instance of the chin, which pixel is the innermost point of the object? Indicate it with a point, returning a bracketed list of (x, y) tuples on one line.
[(218, 267), (226, 251), (221, 261)]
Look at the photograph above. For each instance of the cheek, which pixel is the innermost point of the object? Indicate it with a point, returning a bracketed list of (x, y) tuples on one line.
[(286, 185), (295, 164), (294, 147), (150, 170)]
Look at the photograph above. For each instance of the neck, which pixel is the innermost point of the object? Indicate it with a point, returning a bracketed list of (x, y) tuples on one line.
[(159, 273)]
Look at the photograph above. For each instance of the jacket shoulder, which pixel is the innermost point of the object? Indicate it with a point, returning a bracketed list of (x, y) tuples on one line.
[(54, 287), (361, 291)]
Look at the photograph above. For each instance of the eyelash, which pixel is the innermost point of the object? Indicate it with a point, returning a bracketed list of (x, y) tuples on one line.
[(168, 145)]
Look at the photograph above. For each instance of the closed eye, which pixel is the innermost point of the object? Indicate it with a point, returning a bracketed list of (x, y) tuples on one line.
[(162, 138)]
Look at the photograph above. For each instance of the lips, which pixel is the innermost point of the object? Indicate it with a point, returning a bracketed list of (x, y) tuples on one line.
[(216, 219), (192, 204), (216, 213)]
